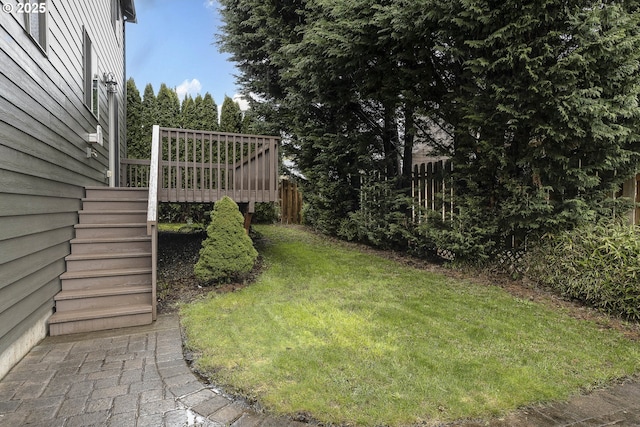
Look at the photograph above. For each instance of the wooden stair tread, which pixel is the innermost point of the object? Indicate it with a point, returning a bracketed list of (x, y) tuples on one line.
[(112, 225), (115, 199), (79, 257), (88, 314), (101, 292), (89, 240), (122, 189), (104, 273), (110, 212)]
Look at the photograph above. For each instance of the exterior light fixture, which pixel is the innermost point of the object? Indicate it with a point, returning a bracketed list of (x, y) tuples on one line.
[(110, 81)]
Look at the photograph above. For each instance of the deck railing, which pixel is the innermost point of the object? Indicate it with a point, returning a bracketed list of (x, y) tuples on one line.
[(202, 166)]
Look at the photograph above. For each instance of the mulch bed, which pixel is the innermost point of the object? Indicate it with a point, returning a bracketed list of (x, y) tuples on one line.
[(177, 254)]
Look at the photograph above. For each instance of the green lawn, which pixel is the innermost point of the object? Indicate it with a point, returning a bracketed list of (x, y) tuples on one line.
[(350, 337)]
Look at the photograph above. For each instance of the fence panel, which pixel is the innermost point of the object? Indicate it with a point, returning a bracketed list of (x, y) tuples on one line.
[(432, 190), (290, 203)]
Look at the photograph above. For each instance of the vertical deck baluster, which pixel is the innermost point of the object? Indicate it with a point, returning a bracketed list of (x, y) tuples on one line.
[(202, 180), (249, 167), (194, 178), (178, 167), (226, 164), (276, 156), (169, 163), (241, 164), (218, 183), (254, 159), (210, 187), (233, 171), (185, 182)]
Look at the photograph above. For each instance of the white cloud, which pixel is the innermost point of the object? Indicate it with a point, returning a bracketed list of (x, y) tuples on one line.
[(189, 87), (210, 4), (242, 101)]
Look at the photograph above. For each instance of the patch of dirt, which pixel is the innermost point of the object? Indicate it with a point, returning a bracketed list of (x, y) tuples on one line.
[(177, 254)]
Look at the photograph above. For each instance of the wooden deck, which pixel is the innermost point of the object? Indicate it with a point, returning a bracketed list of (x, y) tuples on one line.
[(202, 167)]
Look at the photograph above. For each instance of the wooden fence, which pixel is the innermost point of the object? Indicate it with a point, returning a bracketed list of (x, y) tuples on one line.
[(432, 190), (290, 203)]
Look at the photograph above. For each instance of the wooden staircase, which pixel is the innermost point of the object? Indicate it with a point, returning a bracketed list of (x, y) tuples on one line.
[(108, 282)]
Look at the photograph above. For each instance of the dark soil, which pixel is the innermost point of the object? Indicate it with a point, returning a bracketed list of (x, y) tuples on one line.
[(178, 253)]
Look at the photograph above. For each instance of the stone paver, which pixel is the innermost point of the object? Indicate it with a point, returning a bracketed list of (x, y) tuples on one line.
[(138, 377), (127, 377)]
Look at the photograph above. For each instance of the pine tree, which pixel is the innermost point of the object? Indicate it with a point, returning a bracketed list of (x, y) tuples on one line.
[(207, 113), (137, 147), (540, 99), (230, 116), (250, 123), (149, 118), (168, 107), (188, 119), (547, 118), (228, 251)]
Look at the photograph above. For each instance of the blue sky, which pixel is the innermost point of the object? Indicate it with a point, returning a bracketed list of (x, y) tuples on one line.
[(173, 42)]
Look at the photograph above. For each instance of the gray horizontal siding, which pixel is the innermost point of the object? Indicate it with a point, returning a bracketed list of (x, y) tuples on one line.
[(43, 164), (14, 249), (27, 294), (12, 180), (16, 270), (19, 204)]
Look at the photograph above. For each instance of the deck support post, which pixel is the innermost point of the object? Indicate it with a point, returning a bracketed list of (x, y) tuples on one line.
[(247, 221), (251, 208)]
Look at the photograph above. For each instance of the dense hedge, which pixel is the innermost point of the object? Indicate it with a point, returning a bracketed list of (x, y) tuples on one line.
[(227, 252), (597, 264)]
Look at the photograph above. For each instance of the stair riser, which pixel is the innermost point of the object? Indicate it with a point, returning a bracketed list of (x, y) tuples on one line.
[(110, 247), (102, 302), (103, 205), (87, 233), (100, 324), (109, 264), (105, 282), (112, 218), (116, 193)]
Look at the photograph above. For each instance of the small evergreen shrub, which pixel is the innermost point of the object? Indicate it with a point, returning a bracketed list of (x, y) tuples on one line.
[(597, 264), (227, 252)]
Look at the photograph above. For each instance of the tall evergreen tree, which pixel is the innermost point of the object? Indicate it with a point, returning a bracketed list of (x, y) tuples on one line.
[(250, 123), (149, 118), (547, 116), (540, 99), (230, 116), (168, 107), (207, 113), (188, 118), (135, 132)]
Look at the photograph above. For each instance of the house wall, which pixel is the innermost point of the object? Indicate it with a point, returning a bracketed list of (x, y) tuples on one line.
[(44, 125)]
